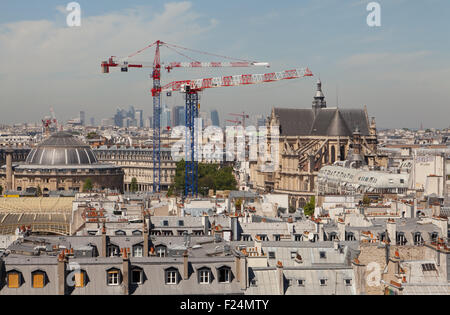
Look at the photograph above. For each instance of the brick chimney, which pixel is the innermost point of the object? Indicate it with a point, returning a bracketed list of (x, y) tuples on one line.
[(104, 241), (146, 247), (125, 273), (62, 270)]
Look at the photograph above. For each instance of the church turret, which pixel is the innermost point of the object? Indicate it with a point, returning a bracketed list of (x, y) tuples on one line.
[(319, 99)]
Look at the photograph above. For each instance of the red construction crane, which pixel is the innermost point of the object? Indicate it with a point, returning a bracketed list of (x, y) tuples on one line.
[(243, 116), (124, 64), (236, 122), (192, 87)]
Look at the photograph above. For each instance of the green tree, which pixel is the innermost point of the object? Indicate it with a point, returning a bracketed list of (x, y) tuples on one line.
[(1, 189), (92, 135), (238, 204), (88, 185), (366, 200), (39, 191), (211, 176), (134, 185), (310, 207)]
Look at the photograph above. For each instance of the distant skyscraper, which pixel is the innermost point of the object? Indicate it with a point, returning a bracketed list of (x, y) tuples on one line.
[(92, 121), (82, 118), (215, 118), (178, 116), (139, 116), (165, 117)]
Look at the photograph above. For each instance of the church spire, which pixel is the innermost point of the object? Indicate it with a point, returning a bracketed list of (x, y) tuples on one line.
[(319, 99)]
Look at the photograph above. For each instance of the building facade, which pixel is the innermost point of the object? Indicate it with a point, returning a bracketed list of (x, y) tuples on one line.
[(60, 163), (138, 163), (310, 139)]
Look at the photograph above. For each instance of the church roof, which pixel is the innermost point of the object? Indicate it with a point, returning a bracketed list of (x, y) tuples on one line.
[(323, 122)]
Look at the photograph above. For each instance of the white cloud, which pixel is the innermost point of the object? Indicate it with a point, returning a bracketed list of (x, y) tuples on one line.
[(42, 62), (383, 58)]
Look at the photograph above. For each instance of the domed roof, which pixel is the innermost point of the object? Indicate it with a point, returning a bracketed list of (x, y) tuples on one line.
[(61, 148)]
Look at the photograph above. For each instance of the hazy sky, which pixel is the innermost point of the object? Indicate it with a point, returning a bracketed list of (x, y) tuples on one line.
[(400, 70)]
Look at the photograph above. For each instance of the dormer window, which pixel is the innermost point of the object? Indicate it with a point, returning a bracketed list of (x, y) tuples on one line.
[(137, 275), (39, 279), (15, 279), (161, 251), (113, 277), (224, 274), (171, 275), (204, 275), (138, 250)]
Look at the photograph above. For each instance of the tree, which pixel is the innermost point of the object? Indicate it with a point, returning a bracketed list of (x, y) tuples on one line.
[(39, 191), (92, 135), (238, 204), (310, 207), (211, 176), (1, 189), (134, 185), (88, 185), (366, 200)]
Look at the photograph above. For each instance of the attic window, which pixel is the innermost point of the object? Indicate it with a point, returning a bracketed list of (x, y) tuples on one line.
[(165, 223), (348, 282), (323, 255), (180, 223), (14, 279), (38, 279), (113, 277), (323, 282), (301, 282), (271, 255)]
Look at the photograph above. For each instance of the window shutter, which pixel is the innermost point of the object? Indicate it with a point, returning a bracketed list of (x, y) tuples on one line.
[(13, 280), (38, 280), (79, 279)]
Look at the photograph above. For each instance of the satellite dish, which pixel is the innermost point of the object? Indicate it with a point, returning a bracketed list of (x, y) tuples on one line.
[(311, 236)]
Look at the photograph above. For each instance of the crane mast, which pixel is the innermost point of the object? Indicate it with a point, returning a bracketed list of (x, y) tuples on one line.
[(156, 94)]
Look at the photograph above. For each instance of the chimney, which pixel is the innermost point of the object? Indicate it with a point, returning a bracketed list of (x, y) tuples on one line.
[(125, 273), (320, 230), (341, 229), (392, 231), (9, 172), (237, 263), (235, 228), (387, 247), (206, 224), (104, 241), (146, 247), (185, 265), (280, 277), (62, 267)]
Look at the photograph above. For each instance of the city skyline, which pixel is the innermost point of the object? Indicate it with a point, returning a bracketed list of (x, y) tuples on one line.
[(399, 79)]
